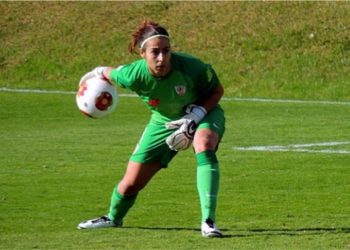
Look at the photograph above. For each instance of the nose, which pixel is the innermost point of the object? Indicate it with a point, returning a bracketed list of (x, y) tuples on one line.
[(161, 56)]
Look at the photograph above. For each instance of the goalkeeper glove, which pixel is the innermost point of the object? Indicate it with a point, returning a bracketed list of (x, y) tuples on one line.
[(194, 113), (96, 72), (182, 138)]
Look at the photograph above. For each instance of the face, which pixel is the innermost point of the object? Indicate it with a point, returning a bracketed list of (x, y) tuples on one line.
[(157, 54)]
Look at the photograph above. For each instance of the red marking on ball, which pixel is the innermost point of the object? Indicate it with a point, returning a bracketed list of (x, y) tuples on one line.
[(82, 89), (104, 101)]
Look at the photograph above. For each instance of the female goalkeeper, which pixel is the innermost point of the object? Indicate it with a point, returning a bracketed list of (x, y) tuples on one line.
[(183, 94)]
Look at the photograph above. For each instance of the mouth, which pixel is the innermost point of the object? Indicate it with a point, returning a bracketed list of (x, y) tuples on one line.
[(160, 67)]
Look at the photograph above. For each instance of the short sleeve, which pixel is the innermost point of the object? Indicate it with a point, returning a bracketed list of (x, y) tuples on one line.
[(120, 76), (128, 76), (207, 80)]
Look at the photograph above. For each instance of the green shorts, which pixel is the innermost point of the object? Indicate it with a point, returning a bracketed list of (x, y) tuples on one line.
[(153, 148)]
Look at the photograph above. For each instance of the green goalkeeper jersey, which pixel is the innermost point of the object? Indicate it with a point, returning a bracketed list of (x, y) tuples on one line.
[(188, 80)]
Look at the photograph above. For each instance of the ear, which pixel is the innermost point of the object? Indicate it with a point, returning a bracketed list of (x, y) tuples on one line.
[(142, 53)]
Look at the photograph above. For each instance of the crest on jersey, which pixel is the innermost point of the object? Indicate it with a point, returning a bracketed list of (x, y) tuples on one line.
[(180, 90)]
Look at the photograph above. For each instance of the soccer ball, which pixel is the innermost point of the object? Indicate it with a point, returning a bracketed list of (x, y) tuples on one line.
[(96, 98)]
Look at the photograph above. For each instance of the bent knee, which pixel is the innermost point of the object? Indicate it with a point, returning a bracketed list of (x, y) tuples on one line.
[(129, 189), (205, 139)]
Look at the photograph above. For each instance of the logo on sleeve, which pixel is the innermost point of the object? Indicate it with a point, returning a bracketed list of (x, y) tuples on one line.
[(154, 102), (180, 90)]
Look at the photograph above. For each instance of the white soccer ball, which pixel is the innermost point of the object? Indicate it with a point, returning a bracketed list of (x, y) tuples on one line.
[(96, 97)]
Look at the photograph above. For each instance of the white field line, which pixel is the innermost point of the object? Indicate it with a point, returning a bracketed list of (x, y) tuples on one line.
[(283, 101), (229, 99), (41, 91), (306, 148), (293, 147)]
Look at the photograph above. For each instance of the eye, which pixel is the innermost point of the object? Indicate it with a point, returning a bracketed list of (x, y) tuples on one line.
[(166, 50), (155, 52)]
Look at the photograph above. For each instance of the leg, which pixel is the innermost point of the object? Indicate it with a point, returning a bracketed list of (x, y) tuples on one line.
[(138, 174), (136, 177), (205, 139), (208, 176)]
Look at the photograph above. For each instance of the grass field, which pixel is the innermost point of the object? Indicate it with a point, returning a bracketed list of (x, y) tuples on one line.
[(59, 167), (284, 164)]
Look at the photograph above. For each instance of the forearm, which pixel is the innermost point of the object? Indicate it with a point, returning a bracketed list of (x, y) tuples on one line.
[(107, 73), (210, 100)]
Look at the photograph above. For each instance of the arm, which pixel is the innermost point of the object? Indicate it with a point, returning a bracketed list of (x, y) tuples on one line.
[(106, 73), (210, 100), (182, 138), (196, 112), (101, 72)]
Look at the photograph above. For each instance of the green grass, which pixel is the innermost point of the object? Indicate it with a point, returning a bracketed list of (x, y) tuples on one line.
[(296, 50), (59, 167)]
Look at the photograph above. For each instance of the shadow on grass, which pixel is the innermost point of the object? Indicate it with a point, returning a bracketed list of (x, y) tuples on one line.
[(290, 232), (260, 231), (166, 228)]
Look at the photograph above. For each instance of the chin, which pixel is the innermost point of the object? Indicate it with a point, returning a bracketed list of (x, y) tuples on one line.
[(160, 73)]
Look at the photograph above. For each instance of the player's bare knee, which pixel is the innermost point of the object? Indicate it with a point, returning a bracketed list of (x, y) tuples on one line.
[(128, 189), (204, 143)]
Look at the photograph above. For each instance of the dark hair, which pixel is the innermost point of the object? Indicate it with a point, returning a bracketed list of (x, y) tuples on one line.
[(145, 30)]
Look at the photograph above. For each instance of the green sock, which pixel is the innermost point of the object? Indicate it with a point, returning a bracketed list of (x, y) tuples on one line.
[(208, 177), (120, 205)]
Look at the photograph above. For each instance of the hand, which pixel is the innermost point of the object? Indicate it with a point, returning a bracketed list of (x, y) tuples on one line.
[(194, 113), (96, 72), (182, 138)]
